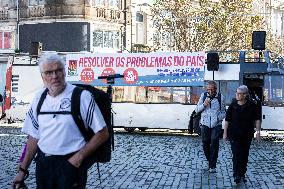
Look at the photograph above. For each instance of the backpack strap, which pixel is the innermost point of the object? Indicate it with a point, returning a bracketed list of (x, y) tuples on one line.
[(40, 102), (219, 100), (41, 99), (76, 113)]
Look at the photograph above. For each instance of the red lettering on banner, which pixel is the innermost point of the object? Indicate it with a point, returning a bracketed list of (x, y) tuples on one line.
[(119, 62), (170, 61), (133, 61), (193, 61), (111, 60), (144, 61), (157, 63), (122, 61), (188, 61), (128, 61), (81, 62), (201, 60), (176, 61), (152, 62), (88, 62)]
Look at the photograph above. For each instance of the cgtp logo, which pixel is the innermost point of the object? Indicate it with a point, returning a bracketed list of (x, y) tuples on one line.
[(72, 68)]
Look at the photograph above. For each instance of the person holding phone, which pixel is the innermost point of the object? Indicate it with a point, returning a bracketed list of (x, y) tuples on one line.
[(212, 114)]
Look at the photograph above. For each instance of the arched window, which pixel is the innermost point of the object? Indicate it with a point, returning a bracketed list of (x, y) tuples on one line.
[(139, 17)]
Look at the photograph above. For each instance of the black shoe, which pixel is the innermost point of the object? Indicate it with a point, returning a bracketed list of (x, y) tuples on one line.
[(244, 179), (237, 179), (2, 116)]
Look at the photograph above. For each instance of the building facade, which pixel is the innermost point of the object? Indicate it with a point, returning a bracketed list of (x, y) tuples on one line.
[(139, 26), (62, 25)]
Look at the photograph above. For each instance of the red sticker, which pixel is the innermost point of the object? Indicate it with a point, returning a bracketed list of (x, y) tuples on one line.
[(87, 75), (130, 76)]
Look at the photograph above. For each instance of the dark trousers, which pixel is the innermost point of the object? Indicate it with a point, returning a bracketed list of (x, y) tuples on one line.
[(240, 149), (55, 172), (210, 140)]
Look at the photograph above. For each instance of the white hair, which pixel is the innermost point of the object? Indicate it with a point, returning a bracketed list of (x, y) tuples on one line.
[(243, 89), (50, 58), (212, 83)]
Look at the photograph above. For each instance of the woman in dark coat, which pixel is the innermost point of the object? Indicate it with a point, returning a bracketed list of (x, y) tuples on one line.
[(241, 119)]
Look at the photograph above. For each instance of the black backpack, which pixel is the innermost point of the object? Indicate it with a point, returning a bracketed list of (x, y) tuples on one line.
[(103, 153), (194, 122)]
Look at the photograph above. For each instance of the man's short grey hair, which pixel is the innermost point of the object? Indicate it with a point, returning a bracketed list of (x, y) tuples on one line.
[(50, 58), (212, 83), (243, 89)]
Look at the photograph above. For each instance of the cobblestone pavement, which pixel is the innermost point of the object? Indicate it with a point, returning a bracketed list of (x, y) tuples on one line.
[(161, 161)]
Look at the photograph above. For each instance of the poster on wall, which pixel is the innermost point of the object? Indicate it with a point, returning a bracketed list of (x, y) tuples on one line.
[(138, 69)]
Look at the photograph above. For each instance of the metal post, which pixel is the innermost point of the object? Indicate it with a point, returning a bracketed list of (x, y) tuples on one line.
[(131, 37), (18, 20)]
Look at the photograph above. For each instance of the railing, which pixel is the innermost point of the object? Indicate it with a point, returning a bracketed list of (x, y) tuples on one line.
[(71, 11), (37, 11), (104, 13)]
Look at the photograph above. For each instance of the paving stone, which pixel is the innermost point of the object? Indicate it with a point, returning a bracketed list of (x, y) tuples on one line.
[(160, 161)]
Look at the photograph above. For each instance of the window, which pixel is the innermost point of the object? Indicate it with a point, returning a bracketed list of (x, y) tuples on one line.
[(108, 39), (165, 39), (36, 2), (5, 40), (5, 3), (110, 3), (139, 17), (140, 29), (195, 94), (98, 39), (174, 95), (273, 91), (100, 2), (114, 3), (228, 89), (156, 38), (167, 95), (115, 40)]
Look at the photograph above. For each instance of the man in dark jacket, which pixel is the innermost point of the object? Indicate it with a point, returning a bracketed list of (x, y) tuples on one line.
[(241, 118)]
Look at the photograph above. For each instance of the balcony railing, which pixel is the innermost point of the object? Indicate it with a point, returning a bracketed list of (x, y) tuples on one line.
[(71, 11), (105, 14)]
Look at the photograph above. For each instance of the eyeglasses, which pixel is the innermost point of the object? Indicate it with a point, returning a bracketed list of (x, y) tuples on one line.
[(49, 73), (211, 89), (240, 93)]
